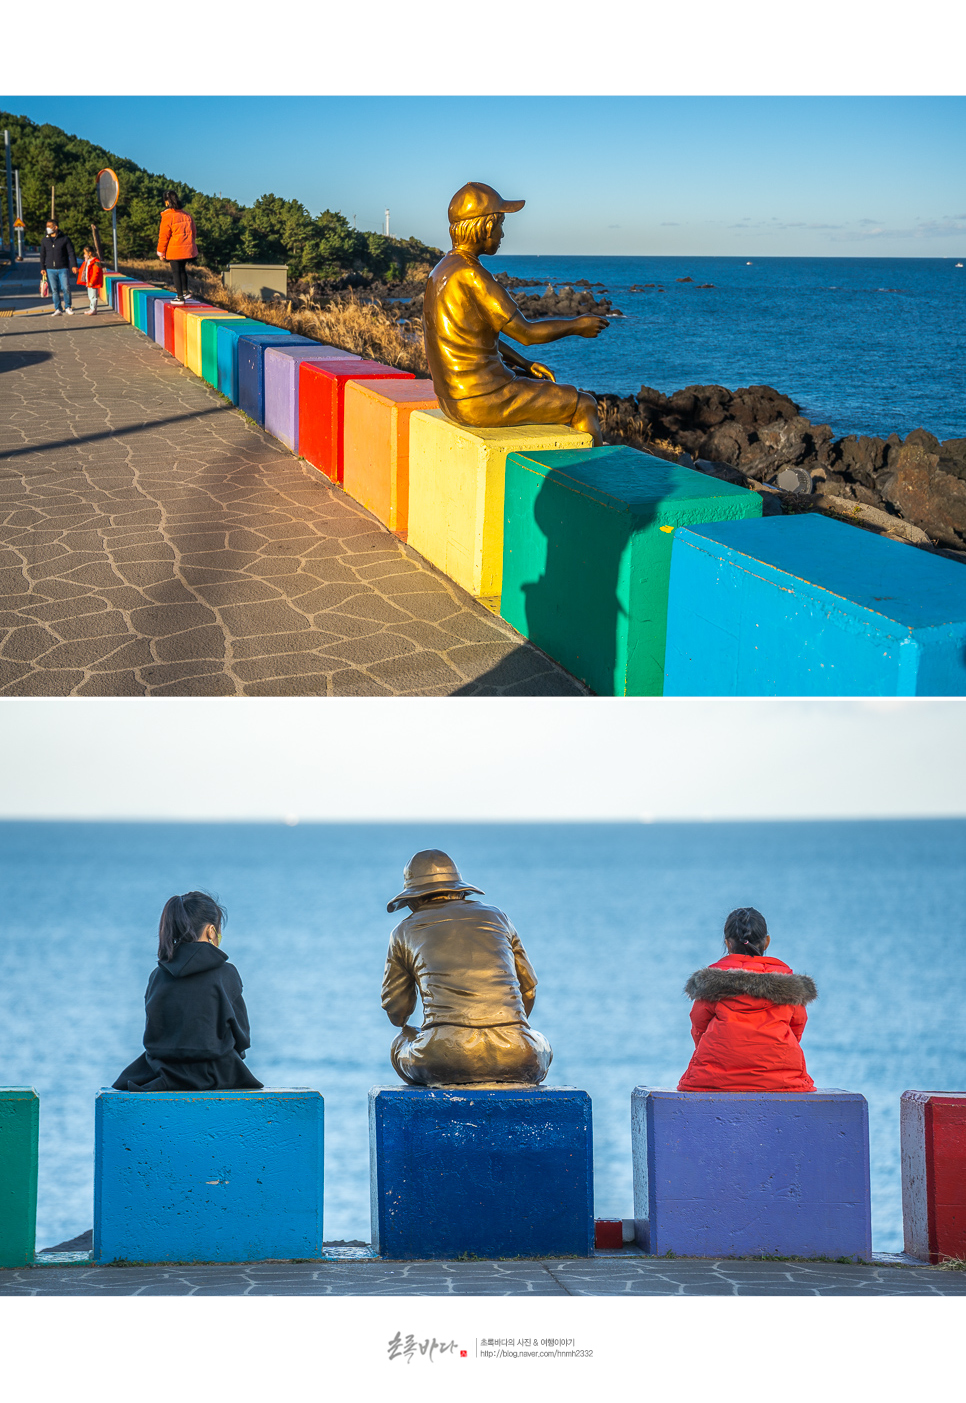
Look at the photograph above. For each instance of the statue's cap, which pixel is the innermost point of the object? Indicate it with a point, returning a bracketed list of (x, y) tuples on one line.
[(428, 872), (477, 199)]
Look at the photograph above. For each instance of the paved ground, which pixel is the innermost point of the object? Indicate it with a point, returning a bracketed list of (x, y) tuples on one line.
[(154, 541), (619, 1274)]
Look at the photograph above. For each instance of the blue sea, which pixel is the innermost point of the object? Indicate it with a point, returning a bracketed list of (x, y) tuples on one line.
[(614, 917), (866, 345)]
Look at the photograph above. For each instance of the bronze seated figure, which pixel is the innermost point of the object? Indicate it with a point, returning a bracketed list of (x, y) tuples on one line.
[(480, 380), (466, 963)]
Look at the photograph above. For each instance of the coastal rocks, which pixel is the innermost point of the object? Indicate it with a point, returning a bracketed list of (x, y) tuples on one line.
[(761, 436), (566, 301)]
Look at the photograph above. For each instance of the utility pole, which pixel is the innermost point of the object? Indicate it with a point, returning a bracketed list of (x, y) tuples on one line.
[(10, 214), (52, 215), (387, 224), (19, 204)]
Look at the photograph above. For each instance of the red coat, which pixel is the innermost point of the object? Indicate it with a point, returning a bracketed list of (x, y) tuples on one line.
[(91, 273), (747, 1023), (176, 237)]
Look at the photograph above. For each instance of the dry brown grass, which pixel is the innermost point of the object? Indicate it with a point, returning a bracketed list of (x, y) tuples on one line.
[(361, 327)]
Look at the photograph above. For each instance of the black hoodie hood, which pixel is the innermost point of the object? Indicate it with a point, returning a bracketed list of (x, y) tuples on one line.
[(193, 957)]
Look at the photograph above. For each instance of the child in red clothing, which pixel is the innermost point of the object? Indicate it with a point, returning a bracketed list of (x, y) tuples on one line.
[(91, 276), (748, 1016)]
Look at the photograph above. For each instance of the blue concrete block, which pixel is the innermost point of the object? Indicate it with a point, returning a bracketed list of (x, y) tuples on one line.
[(151, 301), (213, 1176), (741, 1174), (228, 335), (251, 370), (501, 1172), (805, 606)]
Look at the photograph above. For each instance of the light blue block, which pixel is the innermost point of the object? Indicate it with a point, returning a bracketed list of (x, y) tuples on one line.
[(489, 1172), (213, 1176), (805, 606), (740, 1174)]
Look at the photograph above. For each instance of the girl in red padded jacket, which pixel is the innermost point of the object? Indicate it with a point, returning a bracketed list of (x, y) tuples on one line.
[(748, 1016)]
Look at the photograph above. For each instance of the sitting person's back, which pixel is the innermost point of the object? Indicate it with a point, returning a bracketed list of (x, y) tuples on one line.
[(196, 1025), (748, 1016)]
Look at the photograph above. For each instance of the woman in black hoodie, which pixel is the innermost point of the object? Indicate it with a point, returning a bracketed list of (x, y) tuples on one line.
[(196, 1029)]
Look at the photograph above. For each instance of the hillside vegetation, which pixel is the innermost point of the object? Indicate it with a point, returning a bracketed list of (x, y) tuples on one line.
[(272, 230)]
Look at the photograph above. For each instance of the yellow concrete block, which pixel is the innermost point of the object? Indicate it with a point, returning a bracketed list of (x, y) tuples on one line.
[(192, 337), (456, 485)]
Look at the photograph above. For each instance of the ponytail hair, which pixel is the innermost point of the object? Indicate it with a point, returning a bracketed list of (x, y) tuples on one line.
[(184, 918), (746, 929)]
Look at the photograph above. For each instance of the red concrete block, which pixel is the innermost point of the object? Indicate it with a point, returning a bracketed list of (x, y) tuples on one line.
[(932, 1129), (608, 1233), (375, 422), (169, 321), (321, 403)]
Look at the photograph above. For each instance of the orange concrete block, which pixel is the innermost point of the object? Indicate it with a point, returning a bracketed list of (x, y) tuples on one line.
[(179, 317), (377, 445)]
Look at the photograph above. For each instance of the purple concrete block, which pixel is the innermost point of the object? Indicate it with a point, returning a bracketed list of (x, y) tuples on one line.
[(159, 320), (282, 387), (741, 1174)]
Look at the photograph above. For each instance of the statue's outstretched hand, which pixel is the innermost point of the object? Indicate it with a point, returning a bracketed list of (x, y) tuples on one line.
[(589, 326), (541, 372)]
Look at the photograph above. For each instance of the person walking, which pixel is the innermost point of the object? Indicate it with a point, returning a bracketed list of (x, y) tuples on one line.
[(91, 276), (177, 243), (56, 257)]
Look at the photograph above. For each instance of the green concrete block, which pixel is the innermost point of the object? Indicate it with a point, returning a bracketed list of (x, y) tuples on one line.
[(587, 556), (19, 1134)]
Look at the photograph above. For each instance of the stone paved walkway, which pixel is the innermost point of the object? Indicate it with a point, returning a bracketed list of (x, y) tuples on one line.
[(154, 541), (618, 1274)]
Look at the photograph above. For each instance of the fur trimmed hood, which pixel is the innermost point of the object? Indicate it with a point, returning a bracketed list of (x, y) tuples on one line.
[(713, 985)]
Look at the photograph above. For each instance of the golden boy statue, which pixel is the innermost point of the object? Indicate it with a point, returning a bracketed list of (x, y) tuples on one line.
[(471, 972), (464, 311)]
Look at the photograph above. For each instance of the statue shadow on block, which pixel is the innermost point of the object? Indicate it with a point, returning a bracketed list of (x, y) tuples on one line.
[(466, 964)]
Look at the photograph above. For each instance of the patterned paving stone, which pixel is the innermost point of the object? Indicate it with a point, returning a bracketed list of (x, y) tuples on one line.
[(154, 542), (617, 1275)]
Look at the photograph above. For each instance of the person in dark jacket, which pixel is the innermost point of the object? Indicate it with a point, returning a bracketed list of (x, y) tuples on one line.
[(56, 257), (196, 1027)]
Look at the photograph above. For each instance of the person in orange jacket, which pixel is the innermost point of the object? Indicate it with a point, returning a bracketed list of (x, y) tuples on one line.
[(748, 1016), (177, 243), (91, 276)]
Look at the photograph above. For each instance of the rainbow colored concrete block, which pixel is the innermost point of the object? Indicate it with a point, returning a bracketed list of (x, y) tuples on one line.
[(116, 286), (805, 606), (19, 1132), (736, 1174), (208, 340), (173, 323), (125, 297), (376, 418), (456, 486), (932, 1130), (182, 315), (159, 306), (587, 554), (146, 305), (282, 386), (226, 352), (321, 399), (481, 1172), (251, 369), (211, 1176), (194, 326), (138, 305), (106, 292)]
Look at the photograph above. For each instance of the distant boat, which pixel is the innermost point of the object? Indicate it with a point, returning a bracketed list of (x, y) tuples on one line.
[(748, 264), (959, 265)]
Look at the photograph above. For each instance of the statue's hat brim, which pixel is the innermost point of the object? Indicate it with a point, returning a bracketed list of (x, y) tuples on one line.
[(427, 889), (427, 873)]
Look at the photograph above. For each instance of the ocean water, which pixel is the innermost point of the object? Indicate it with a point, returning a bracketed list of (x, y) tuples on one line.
[(614, 917), (866, 345)]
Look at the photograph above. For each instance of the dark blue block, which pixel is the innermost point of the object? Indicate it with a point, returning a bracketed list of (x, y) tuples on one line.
[(741, 1174), (251, 370), (228, 335), (151, 300), (500, 1172), (805, 606)]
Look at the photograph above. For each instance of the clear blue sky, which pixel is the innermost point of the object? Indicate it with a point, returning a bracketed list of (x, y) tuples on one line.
[(827, 176)]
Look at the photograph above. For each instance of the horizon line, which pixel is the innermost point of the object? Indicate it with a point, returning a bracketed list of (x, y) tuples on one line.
[(297, 820)]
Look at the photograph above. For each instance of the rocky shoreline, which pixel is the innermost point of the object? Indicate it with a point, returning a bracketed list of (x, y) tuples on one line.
[(912, 488)]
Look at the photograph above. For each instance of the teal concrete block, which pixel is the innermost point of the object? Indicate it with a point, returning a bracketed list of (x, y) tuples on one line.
[(213, 1176), (806, 606), (227, 335), (587, 556), (19, 1133), (145, 305), (481, 1171)]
